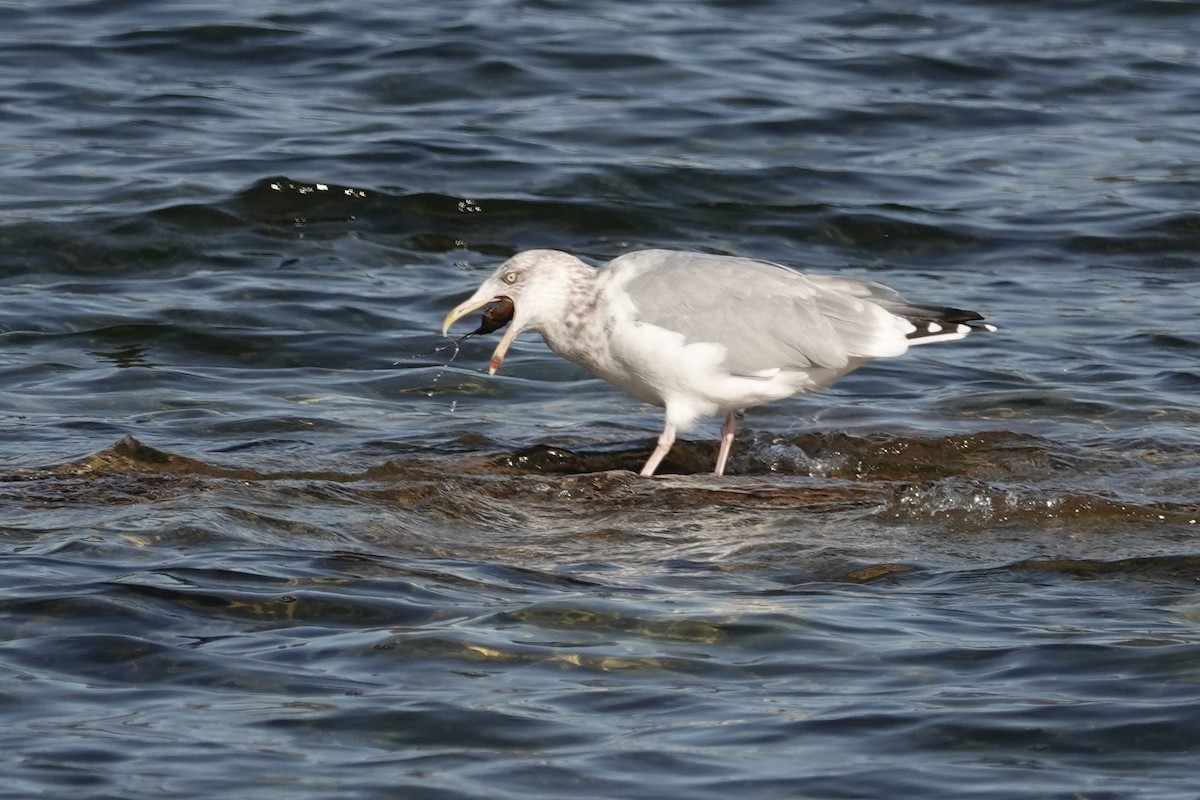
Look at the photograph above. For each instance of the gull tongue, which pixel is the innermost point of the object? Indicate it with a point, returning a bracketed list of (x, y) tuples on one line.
[(498, 314)]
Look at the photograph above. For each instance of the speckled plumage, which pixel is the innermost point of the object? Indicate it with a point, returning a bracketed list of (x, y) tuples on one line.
[(703, 334)]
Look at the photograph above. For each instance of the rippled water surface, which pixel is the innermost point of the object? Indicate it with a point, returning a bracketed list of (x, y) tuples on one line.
[(263, 538)]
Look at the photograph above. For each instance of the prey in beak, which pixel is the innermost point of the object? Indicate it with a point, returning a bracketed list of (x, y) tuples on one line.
[(498, 314)]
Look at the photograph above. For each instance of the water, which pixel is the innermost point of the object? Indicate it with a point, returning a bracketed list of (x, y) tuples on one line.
[(261, 538)]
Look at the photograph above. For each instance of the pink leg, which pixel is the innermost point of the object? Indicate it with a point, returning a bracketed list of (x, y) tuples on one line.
[(727, 429), (665, 440)]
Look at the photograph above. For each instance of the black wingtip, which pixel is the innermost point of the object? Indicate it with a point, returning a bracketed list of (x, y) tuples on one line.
[(936, 323)]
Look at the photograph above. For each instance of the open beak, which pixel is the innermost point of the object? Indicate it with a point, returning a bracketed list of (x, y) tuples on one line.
[(474, 303)]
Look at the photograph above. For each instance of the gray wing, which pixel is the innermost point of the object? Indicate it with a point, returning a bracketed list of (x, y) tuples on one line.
[(765, 315)]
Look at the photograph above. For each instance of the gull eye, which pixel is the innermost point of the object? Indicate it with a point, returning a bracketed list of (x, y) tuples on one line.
[(510, 277)]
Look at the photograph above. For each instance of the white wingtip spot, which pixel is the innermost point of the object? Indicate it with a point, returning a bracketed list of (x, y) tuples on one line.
[(934, 327)]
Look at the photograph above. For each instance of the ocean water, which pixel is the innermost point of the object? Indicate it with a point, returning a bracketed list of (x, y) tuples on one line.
[(263, 533)]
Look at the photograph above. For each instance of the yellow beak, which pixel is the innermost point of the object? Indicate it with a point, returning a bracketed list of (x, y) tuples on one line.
[(461, 310), (474, 303)]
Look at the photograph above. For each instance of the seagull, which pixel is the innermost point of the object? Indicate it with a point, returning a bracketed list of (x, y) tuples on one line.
[(703, 335)]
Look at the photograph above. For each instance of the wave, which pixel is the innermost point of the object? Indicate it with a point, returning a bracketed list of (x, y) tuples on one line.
[(958, 484)]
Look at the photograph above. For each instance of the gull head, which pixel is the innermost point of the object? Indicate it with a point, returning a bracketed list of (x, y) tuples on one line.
[(537, 285)]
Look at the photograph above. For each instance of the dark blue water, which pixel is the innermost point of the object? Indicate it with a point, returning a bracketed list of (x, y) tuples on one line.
[(261, 538)]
